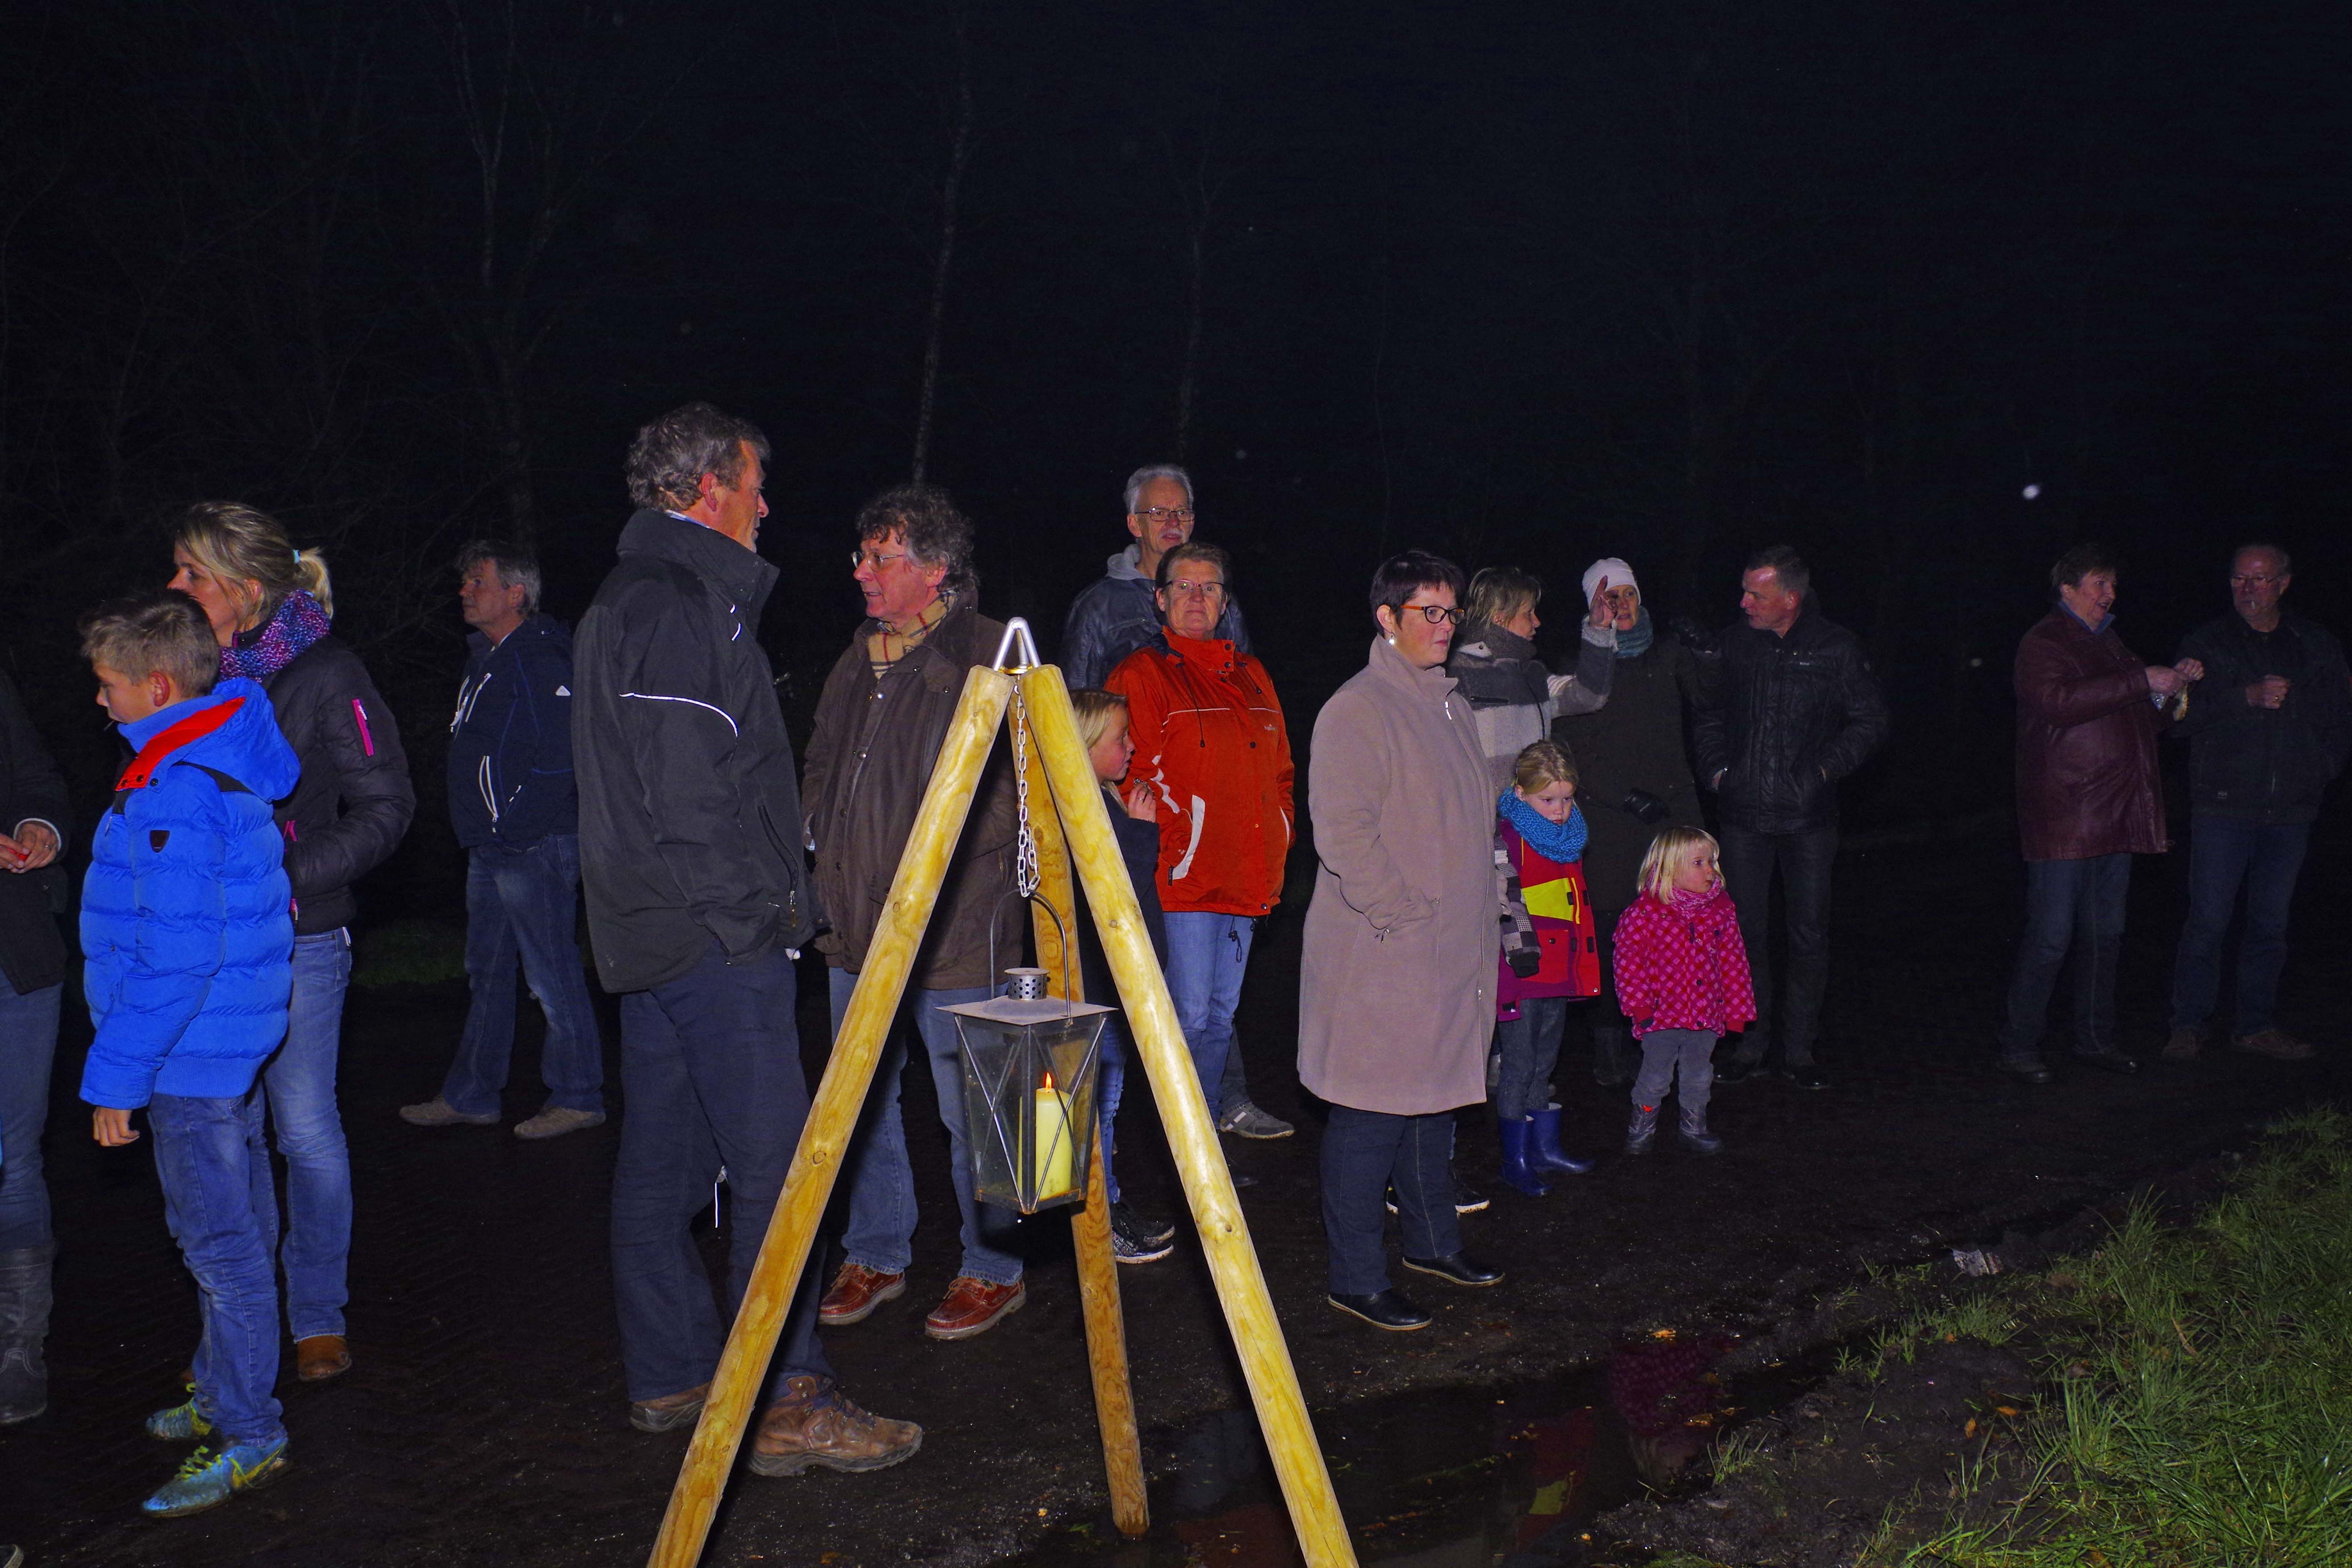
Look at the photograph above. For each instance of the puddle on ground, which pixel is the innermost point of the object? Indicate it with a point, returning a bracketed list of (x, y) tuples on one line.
[(1461, 1477)]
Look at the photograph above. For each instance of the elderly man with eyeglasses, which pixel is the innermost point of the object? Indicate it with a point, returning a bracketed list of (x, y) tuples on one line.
[(1210, 740), (1119, 612), (2268, 730)]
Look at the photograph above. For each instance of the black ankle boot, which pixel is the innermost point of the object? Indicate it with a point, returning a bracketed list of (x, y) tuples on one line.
[(24, 1326), (1642, 1131)]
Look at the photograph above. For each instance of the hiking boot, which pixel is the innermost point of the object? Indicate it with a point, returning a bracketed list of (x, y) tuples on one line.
[(856, 1291), (321, 1357), (1134, 1240), (1517, 1135), (555, 1121), (1246, 1120), (179, 1423), (2273, 1043), (974, 1307), (671, 1411), (25, 1302), (438, 1112), (1642, 1130), (2184, 1044), (814, 1425), (1695, 1136), (210, 1477)]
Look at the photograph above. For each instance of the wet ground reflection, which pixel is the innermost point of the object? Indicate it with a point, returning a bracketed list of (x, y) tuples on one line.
[(1441, 1479)]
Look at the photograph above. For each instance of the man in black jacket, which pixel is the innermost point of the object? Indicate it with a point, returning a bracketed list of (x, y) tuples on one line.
[(516, 811), (1792, 709), (2268, 728), (33, 814), (699, 899)]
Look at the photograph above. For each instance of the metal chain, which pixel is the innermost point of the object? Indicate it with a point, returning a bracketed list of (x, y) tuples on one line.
[(1024, 854)]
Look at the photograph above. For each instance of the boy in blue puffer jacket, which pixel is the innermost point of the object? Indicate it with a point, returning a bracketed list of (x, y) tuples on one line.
[(189, 942)]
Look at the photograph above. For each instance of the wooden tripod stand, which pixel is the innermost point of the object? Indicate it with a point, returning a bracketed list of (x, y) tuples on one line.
[(1075, 832)]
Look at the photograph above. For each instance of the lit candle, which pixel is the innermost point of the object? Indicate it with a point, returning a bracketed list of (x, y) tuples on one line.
[(1049, 1151)]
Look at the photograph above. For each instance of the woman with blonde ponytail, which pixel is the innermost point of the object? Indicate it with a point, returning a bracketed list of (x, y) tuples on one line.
[(271, 606)]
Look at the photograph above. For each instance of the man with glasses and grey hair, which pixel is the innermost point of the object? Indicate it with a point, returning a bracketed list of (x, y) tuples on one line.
[(515, 808), (1120, 613)]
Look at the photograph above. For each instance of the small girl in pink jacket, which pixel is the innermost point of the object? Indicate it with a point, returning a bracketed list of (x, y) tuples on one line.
[(1682, 977)]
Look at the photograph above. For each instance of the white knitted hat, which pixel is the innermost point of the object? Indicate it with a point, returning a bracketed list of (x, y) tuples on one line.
[(1620, 575)]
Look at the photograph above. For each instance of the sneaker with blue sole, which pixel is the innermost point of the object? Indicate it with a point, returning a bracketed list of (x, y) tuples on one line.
[(210, 1477), (179, 1423)]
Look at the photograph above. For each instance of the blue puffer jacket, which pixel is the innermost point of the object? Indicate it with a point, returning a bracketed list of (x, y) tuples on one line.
[(510, 739), (185, 925)]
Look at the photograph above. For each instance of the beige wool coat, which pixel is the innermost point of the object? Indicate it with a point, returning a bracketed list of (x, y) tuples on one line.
[(1396, 988)]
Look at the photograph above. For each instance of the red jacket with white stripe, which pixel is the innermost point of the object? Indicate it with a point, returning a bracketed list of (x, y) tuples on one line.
[(1210, 737), (1682, 966)]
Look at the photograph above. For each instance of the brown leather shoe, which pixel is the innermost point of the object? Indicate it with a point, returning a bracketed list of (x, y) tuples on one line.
[(321, 1357), (973, 1307), (2275, 1043), (2183, 1044), (856, 1291), (813, 1426), (671, 1411)]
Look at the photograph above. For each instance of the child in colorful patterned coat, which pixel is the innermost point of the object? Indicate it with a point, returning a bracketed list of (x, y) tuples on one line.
[(1682, 977), (1549, 957)]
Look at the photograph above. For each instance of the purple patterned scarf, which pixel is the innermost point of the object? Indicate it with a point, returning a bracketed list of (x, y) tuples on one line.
[(278, 642)]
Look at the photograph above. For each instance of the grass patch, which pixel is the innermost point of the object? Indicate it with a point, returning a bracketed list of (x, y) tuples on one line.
[(409, 953), (2204, 1411)]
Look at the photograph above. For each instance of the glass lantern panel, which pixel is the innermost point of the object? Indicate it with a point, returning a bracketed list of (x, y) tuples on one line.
[(1029, 1101)]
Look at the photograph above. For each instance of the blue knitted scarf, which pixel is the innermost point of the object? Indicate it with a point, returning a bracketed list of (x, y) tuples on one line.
[(1560, 841), (1635, 643)]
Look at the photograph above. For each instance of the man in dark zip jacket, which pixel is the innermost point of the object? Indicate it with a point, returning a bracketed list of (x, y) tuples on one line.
[(2268, 730), (514, 807), (1791, 710), (699, 899)]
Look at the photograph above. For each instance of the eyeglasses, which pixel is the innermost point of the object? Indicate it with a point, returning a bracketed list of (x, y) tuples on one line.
[(2251, 580), (1166, 514), (1185, 588), (876, 563), (1436, 615)]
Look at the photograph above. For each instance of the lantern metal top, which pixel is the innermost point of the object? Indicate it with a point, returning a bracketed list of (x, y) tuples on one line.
[(1016, 1011)]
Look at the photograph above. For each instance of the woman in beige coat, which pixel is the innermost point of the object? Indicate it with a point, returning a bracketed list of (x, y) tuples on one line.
[(1396, 994)]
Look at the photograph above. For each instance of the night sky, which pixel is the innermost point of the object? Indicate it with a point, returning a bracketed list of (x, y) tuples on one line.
[(1518, 284)]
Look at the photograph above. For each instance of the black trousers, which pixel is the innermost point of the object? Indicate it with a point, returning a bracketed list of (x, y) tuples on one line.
[(1805, 861)]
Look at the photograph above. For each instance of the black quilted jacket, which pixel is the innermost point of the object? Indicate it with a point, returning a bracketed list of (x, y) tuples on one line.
[(1782, 720)]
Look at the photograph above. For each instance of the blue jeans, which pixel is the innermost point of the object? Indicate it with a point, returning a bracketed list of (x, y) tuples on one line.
[(1207, 955), (1111, 1079), (205, 1153), (2077, 905), (710, 1064), (1365, 1152), (2224, 853), (880, 1233), (28, 1040), (298, 1089), (1529, 1047), (1806, 860), (524, 903)]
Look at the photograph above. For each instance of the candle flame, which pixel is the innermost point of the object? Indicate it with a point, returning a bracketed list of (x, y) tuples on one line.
[(1049, 1081)]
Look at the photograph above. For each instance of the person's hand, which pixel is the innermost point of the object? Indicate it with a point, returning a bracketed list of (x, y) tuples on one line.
[(34, 846), (2163, 679), (110, 1125), (1140, 803), (1602, 614), (2268, 693), (2189, 668)]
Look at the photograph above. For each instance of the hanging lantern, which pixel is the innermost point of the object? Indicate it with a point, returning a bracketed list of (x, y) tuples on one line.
[(1029, 1065)]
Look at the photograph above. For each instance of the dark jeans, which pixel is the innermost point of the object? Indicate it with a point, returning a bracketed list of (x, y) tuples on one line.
[(2225, 854), (1805, 860), (523, 904), (2077, 905), (205, 1152), (710, 1064), (1615, 1055), (1365, 1152), (28, 1040), (1529, 1047)]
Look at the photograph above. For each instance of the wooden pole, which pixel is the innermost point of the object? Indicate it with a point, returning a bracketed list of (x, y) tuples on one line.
[(1192, 1138), (1090, 1226), (784, 1254)]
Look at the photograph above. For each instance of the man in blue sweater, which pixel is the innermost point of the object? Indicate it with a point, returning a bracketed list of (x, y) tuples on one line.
[(517, 811), (188, 934)]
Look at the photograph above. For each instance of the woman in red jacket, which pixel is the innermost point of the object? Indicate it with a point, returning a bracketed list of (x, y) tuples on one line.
[(1211, 741), (1682, 978)]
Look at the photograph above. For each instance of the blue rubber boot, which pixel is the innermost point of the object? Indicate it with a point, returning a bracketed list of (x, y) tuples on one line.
[(1516, 1136), (1547, 1155), (210, 1477)]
